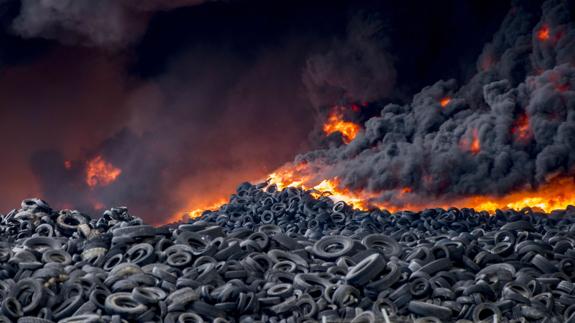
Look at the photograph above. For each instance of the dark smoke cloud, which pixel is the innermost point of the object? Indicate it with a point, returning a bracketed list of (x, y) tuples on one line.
[(426, 147), (103, 23), (192, 134), (207, 97), (355, 69)]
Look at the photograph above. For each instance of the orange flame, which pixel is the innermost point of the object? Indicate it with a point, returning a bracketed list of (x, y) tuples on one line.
[(474, 146), (543, 33), (194, 213), (335, 123), (101, 173), (444, 101), (521, 128), (554, 195)]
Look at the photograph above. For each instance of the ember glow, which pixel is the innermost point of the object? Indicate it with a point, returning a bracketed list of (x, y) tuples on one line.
[(100, 172), (198, 210), (473, 145), (444, 101), (335, 123), (543, 33), (521, 129), (556, 194)]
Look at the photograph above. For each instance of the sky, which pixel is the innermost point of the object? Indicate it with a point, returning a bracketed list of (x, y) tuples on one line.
[(190, 98)]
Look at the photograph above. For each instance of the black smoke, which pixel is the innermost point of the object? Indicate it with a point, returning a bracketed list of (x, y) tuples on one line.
[(190, 100), (425, 146)]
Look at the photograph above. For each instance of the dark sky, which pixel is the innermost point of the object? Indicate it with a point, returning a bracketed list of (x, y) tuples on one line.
[(198, 98)]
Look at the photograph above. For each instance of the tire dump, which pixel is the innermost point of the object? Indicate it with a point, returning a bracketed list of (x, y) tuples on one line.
[(451, 204), (285, 256)]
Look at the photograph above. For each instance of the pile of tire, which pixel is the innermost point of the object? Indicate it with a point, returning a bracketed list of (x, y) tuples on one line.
[(287, 256)]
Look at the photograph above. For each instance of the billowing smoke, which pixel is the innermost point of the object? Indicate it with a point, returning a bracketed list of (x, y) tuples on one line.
[(355, 69), (106, 23), (180, 110), (511, 125), (190, 135)]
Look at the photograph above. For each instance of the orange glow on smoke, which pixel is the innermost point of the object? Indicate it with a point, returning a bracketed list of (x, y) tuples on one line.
[(97, 205), (556, 194), (194, 213), (335, 123), (445, 101), (543, 33), (101, 173), (521, 128), (473, 146)]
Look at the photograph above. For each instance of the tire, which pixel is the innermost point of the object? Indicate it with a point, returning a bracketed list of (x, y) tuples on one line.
[(428, 309), (323, 247), (124, 305), (148, 295), (365, 270)]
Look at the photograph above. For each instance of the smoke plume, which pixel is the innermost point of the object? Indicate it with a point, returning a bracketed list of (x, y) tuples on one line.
[(355, 69), (183, 100), (512, 125), (104, 23)]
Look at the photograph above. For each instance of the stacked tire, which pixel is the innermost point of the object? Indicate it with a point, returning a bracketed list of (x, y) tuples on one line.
[(285, 256)]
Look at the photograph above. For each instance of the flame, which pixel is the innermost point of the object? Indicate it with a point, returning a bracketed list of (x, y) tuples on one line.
[(444, 101), (474, 146), (553, 195), (101, 173), (335, 123), (548, 197), (521, 128), (543, 33), (196, 212)]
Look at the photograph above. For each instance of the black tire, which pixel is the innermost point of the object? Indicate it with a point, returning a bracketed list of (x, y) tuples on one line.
[(428, 309), (388, 246), (365, 270), (325, 247), (484, 312), (30, 294), (11, 307), (124, 305), (148, 295)]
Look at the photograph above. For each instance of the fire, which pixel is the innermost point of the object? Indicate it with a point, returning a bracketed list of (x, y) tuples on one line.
[(335, 123), (444, 101), (100, 172), (543, 33), (97, 205), (548, 197), (474, 146), (67, 164), (299, 176), (521, 128), (196, 212), (553, 195)]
